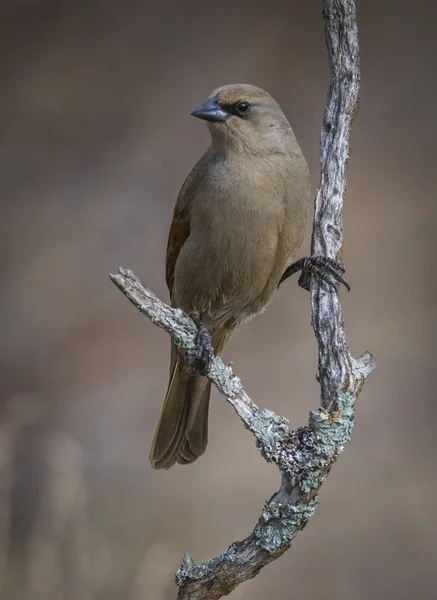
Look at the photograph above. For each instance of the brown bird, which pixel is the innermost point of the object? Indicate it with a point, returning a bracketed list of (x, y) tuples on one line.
[(239, 220)]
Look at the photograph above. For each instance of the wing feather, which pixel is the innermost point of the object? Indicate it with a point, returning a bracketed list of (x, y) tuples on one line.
[(180, 226)]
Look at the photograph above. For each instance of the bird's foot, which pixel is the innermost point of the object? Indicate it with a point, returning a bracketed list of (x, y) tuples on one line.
[(328, 270), (204, 350)]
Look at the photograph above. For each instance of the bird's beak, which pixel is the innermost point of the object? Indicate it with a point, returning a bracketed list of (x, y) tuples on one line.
[(210, 110)]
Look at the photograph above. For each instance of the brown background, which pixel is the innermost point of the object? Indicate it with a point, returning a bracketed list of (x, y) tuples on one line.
[(96, 139)]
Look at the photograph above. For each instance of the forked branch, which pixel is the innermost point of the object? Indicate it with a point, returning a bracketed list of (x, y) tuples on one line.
[(303, 456)]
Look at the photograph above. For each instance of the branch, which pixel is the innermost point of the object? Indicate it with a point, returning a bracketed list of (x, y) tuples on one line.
[(303, 456), (341, 36)]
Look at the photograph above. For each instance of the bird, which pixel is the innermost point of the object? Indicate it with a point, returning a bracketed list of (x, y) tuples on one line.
[(239, 220)]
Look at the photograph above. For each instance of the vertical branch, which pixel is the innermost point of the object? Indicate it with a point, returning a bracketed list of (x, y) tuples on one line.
[(341, 36)]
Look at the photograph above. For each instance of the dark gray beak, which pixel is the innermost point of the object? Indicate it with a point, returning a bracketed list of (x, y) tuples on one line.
[(210, 110)]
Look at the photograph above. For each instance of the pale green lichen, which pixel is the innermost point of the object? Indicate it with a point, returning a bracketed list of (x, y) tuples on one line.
[(279, 523), (271, 433), (333, 431), (189, 570), (226, 380), (326, 439), (363, 366), (310, 482)]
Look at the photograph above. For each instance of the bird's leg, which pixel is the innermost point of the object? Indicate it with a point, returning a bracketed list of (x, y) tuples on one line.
[(328, 270), (204, 349)]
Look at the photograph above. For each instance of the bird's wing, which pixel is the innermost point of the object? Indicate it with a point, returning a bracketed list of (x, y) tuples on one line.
[(179, 232), (180, 226)]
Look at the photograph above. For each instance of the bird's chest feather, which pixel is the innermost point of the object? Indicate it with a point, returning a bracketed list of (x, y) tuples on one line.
[(236, 222), (238, 208), (226, 264)]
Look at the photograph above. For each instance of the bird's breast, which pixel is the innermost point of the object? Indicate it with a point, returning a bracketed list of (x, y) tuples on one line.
[(231, 263)]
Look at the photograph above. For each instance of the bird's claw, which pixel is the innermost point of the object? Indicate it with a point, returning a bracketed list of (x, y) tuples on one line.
[(326, 269), (204, 350)]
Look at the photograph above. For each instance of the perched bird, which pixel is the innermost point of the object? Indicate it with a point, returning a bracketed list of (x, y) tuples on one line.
[(239, 220)]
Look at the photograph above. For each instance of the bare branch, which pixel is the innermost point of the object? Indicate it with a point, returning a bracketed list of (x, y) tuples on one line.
[(341, 36), (303, 456)]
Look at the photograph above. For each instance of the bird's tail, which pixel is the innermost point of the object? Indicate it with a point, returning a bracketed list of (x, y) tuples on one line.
[(181, 435)]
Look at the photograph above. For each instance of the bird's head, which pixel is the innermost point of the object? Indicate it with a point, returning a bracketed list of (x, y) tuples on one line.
[(246, 118)]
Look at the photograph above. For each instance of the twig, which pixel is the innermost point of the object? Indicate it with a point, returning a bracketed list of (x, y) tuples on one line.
[(303, 456)]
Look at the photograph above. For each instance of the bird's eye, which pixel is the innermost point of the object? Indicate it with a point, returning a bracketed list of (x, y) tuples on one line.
[(242, 108), (238, 109)]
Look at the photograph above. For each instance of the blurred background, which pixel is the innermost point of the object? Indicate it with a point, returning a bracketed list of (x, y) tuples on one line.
[(96, 139)]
